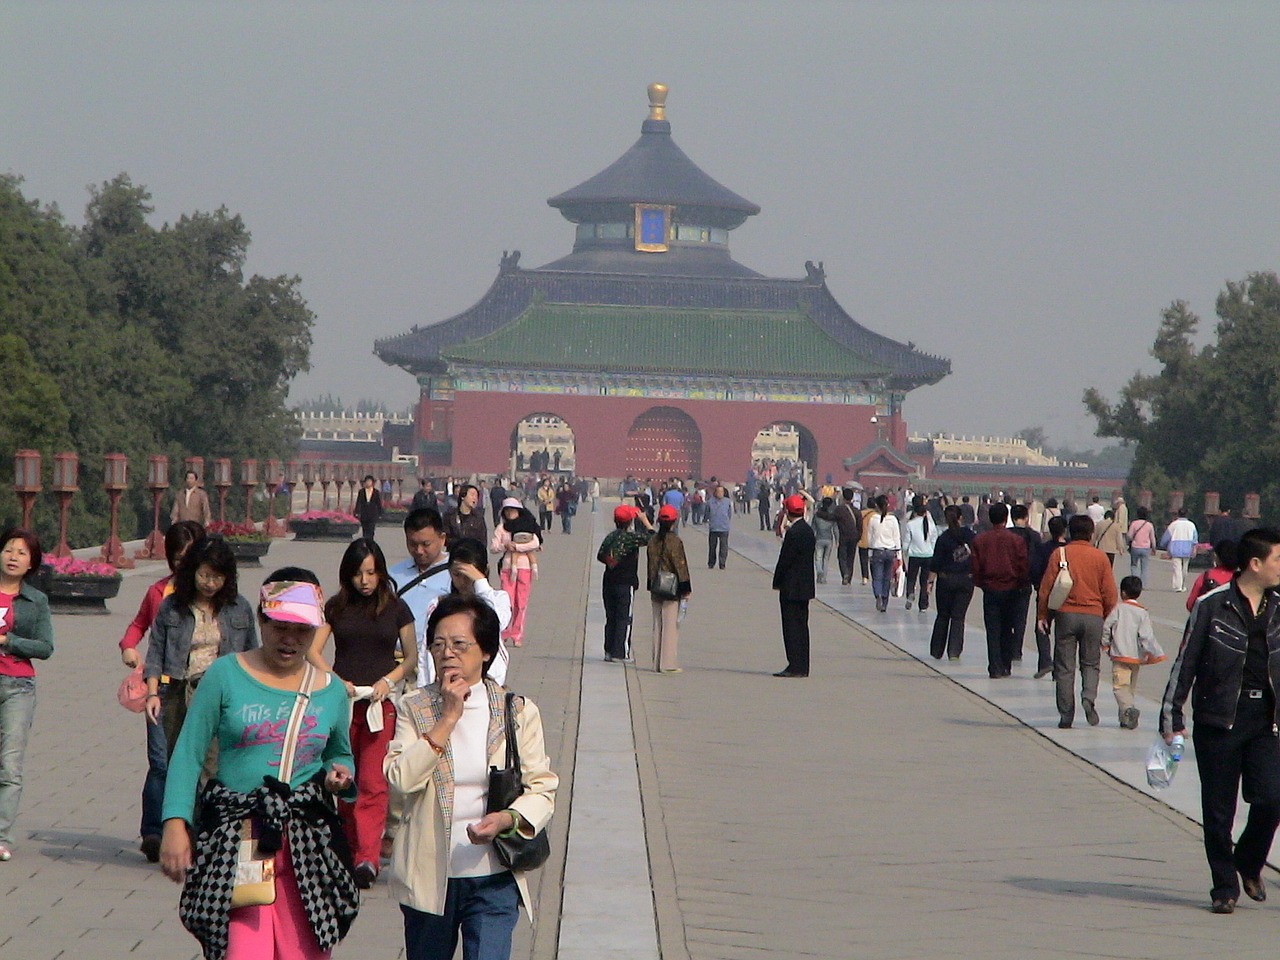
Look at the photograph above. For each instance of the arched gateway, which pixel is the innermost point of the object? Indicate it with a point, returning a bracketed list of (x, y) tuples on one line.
[(664, 442)]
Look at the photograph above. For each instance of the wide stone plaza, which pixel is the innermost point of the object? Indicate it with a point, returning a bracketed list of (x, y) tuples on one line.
[(886, 807)]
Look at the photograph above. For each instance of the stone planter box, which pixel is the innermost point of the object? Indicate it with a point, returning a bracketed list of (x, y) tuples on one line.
[(249, 553), (324, 530), (392, 518), (77, 595)]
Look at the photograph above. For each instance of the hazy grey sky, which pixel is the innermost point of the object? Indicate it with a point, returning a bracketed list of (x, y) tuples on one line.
[(1018, 186)]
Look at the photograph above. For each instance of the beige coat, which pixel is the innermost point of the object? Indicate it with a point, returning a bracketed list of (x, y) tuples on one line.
[(197, 508), (1108, 537), (420, 861)]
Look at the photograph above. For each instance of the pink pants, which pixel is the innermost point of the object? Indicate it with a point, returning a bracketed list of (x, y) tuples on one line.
[(517, 584), (278, 931), (366, 819)]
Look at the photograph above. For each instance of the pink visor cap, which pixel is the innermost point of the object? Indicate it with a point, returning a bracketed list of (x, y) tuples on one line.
[(293, 601)]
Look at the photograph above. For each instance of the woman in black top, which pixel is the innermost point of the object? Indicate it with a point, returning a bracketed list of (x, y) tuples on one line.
[(949, 572), (367, 621), (368, 507)]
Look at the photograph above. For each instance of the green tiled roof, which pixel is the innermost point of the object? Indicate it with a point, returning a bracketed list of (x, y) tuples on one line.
[(741, 343)]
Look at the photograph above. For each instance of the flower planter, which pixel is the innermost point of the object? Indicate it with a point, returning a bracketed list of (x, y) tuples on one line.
[(249, 553), (331, 531), (392, 518), (78, 594)]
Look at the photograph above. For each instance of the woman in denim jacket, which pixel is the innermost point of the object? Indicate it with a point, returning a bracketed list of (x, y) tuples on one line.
[(203, 619)]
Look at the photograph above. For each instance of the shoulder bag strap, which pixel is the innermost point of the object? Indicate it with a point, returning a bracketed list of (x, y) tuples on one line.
[(513, 749), (290, 750), (430, 572)]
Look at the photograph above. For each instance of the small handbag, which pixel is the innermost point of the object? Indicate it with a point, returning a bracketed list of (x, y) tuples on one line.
[(255, 879), (514, 852), (1062, 583), (133, 691), (666, 586)]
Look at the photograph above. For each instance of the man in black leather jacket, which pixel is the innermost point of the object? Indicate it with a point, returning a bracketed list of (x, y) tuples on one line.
[(1230, 657)]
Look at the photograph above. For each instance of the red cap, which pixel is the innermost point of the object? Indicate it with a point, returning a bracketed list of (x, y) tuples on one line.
[(794, 505), (624, 514), (669, 513)]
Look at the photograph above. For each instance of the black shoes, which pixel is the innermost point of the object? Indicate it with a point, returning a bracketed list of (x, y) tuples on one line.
[(1090, 713), (365, 874), (1224, 906), (1254, 888), (1042, 673), (150, 848), (789, 673), (1064, 724)]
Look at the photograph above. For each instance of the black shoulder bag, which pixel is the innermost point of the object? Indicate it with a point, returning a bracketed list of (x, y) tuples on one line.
[(514, 852)]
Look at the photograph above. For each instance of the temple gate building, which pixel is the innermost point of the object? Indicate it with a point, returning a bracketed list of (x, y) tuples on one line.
[(661, 354)]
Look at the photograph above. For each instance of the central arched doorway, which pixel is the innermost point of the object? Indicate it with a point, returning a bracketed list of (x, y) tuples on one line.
[(664, 442), (543, 443), (784, 446)]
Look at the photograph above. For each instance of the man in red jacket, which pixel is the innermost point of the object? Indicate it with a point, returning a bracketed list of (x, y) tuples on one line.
[(1078, 624), (1000, 568)]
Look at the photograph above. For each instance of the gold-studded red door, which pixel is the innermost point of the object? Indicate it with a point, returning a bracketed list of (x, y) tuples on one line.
[(664, 442)]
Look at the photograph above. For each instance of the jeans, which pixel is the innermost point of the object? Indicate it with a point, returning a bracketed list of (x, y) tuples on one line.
[(1138, 562), (820, 556), (882, 572), (953, 594), (17, 708), (1076, 634), (153, 786), (999, 612), (485, 909), (1247, 751), (717, 542), (617, 618)]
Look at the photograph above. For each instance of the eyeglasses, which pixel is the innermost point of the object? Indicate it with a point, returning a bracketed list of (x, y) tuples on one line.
[(211, 578), (456, 644)]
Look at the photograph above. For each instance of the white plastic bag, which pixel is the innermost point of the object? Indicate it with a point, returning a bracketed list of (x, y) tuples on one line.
[(1162, 762)]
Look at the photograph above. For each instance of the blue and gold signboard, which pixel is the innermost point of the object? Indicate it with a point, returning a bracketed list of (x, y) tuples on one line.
[(653, 227)]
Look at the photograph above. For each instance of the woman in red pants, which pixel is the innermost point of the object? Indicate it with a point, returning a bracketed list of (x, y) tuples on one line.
[(367, 621)]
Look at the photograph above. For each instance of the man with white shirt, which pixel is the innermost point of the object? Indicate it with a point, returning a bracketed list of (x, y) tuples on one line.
[(424, 539), (1180, 539), (1096, 511), (191, 502)]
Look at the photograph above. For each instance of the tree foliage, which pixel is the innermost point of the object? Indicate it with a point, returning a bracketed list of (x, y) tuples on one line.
[(124, 337), (1208, 419)]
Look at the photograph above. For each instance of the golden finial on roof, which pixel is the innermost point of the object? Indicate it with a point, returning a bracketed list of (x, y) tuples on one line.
[(657, 101)]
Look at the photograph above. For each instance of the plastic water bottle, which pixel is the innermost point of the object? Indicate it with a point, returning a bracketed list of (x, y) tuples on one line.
[(1175, 748), (684, 608)]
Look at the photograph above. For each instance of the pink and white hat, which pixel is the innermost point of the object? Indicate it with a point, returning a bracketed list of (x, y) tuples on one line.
[(293, 601), (512, 502)]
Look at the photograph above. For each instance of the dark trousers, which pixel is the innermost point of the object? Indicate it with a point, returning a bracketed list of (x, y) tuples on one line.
[(864, 561), (617, 618), (1248, 751), (1020, 620), (952, 596), (999, 607), (795, 634), (918, 567), (1044, 645), (367, 530), (845, 551), (484, 909), (764, 517), (544, 516), (717, 541)]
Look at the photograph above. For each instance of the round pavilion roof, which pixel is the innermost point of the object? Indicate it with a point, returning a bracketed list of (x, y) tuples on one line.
[(656, 171)]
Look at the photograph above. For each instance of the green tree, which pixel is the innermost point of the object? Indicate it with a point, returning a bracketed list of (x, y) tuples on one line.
[(1208, 419)]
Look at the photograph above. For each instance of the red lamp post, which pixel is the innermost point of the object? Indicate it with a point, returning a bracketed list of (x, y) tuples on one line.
[(249, 480), (115, 480), (196, 465), (1176, 500), (326, 476), (66, 470), (222, 480), (355, 477), (1252, 506), (26, 482), (273, 478), (308, 480), (399, 476), (157, 483)]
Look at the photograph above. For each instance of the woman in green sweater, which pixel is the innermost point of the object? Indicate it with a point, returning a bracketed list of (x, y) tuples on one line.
[(245, 700)]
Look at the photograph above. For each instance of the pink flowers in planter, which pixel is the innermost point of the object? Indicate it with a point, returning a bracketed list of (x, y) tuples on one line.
[(333, 516), (71, 567), (236, 531)]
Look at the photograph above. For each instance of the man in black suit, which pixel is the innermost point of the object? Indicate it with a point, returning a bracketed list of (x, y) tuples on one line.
[(793, 579)]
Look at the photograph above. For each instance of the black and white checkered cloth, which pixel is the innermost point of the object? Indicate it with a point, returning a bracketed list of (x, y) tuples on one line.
[(317, 848)]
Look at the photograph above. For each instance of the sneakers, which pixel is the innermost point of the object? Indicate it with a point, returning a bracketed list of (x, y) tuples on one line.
[(150, 848), (1090, 713), (5, 853), (365, 873), (1129, 718), (909, 601), (1042, 673)]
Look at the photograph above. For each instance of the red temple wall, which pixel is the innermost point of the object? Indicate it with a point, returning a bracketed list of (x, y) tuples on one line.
[(483, 422)]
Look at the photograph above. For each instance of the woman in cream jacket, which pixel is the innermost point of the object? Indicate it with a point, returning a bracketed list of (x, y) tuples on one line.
[(446, 873)]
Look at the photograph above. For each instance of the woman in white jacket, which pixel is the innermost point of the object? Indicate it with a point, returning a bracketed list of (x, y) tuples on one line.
[(919, 539), (884, 539), (446, 873)]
